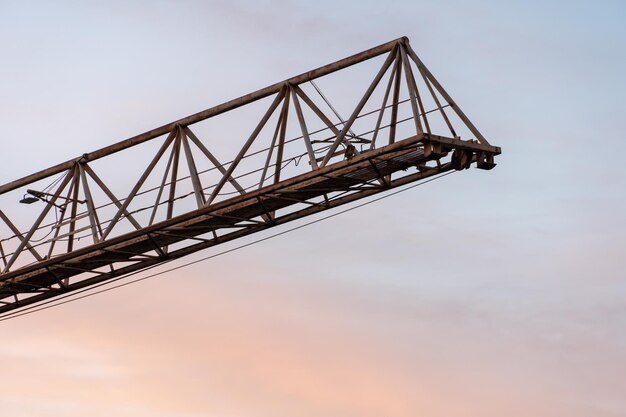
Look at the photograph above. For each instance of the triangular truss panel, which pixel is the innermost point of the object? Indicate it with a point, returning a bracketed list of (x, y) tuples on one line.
[(362, 125)]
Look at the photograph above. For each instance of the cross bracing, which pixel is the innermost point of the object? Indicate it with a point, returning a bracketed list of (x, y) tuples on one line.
[(276, 155)]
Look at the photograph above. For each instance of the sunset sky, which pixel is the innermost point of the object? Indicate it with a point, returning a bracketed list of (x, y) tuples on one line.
[(483, 294)]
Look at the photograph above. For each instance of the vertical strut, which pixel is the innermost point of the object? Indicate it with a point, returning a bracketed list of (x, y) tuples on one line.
[(410, 81), (455, 107), (173, 180), (436, 100), (157, 201), (281, 141), (305, 132), (95, 225), (193, 172), (61, 218), (395, 102), (3, 255), (359, 107), (76, 181), (270, 152), (384, 105)]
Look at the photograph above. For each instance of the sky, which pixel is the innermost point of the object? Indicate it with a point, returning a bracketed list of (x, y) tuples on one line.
[(485, 293)]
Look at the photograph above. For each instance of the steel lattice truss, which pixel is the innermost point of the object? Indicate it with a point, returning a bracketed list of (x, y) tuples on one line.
[(180, 188)]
